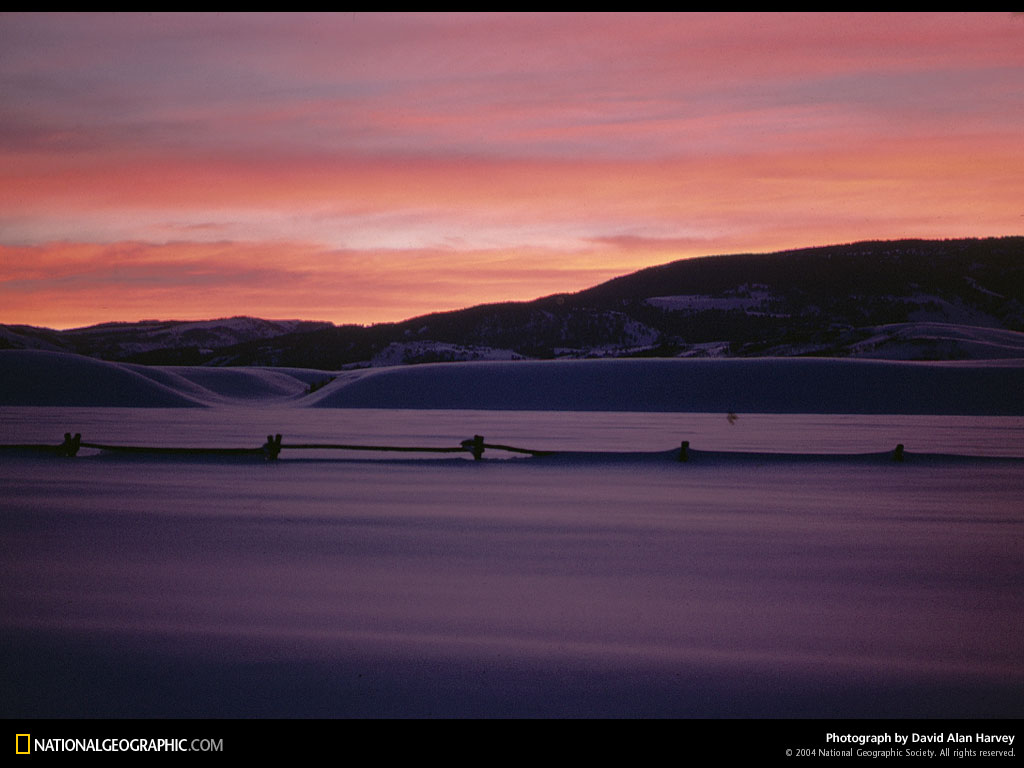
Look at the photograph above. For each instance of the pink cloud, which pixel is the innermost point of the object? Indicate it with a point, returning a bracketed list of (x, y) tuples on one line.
[(452, 158), (72, 284)]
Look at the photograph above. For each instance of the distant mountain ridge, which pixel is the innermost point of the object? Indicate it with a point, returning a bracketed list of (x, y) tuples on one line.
[(133, 342), (902, 299)]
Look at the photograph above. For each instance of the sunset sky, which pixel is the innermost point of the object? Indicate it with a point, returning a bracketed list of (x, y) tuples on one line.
[(361, 168)]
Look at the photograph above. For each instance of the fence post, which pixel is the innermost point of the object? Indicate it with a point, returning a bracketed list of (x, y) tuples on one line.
[(272, 447), (475, 446), (684, 450), (70, 445)]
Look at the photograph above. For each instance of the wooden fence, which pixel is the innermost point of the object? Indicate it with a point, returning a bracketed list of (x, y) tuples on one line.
[(272, 448)]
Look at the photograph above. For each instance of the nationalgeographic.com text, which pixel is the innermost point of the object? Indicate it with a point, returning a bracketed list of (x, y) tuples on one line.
[(127, 745)]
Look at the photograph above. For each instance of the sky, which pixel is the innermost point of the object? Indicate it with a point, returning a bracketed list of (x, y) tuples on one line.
[(362, 168)]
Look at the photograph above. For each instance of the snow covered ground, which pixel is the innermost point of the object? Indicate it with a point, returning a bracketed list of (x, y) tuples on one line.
[(792, 580), (773, 385)]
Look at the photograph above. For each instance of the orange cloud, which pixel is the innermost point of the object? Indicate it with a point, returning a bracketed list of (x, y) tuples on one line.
[(64, 285), (369, 167), (516, 188)]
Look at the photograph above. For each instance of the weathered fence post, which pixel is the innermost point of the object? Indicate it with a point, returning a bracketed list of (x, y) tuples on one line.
[(272, 447), (475, 446), (684, 450), (70, 445), (897, 455)]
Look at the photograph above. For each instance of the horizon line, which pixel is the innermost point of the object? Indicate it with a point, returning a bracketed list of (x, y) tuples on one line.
[(336, 324)]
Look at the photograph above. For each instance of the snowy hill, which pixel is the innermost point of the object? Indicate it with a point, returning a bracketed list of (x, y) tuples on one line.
[(154, 338), (780, 385), (904, 300)]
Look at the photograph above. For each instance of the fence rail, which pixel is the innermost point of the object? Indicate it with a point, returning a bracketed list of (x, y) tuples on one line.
[(476, 446), (270, 450)]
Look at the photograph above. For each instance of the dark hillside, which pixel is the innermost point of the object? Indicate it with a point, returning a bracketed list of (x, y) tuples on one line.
[(834, 301)]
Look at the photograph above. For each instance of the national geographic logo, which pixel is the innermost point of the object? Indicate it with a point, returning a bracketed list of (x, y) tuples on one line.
[(24, 744)]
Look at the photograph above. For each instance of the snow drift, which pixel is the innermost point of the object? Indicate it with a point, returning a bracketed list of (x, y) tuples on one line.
[(34, 377), (775, 385), (781, 385)]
